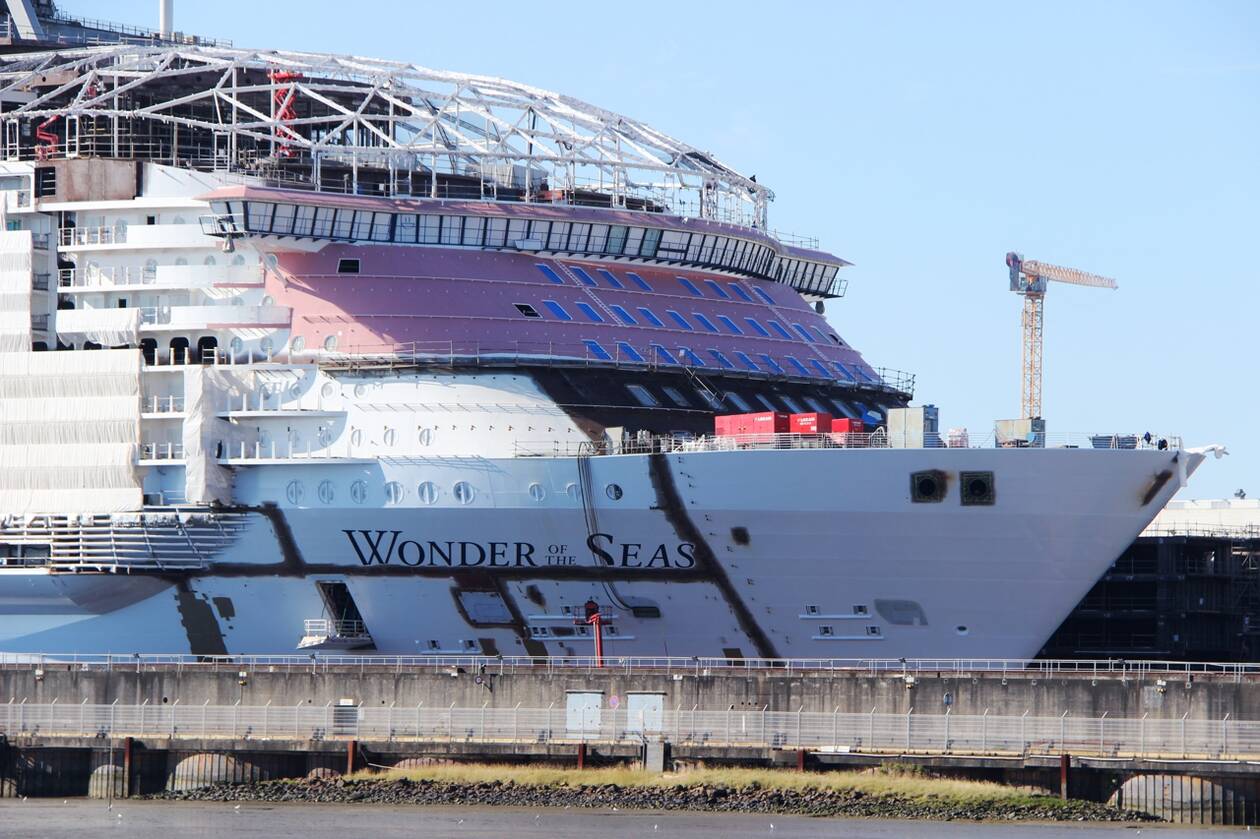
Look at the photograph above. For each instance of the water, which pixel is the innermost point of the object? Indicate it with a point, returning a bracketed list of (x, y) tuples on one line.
[(165, 820)]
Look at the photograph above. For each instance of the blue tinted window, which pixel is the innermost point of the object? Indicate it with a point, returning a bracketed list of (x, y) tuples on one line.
[(611, 278), (581, 274), (730, 324), (591, 314), (739, 290), (796, 365), (767, 298), (597, 351), (778, 327), (717, 289), (649, 316), (690, 357), (771, 363), (628, 351), (550, 273), (639, 281), (690, 286), (821, 335), (747, 362), (557, 310), (661, 352), (842, 370), (822, 371), (866, 375), (622, 315), (757, 327), (705, 322), (721, 359), (680, 320), (801, 331)]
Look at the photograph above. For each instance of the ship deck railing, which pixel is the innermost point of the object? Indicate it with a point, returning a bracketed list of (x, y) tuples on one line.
[(1120, 668), (877, 439)]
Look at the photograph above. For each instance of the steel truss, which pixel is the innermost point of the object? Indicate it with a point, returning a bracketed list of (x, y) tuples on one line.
[(356, 124)]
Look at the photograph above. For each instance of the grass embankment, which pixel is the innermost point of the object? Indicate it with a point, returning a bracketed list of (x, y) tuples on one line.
[(903, 783)]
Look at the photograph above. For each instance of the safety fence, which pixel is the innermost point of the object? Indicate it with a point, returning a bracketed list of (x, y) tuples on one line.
[(578, 723), (697, 665)]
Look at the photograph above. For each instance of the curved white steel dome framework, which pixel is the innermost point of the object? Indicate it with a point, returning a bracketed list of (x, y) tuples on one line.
[(355, 124)]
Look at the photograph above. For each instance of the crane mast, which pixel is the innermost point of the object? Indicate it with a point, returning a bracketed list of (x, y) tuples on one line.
[(1029, 279)]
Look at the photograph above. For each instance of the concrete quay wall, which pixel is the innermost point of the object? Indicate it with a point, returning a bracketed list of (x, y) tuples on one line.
[(1009, 694)]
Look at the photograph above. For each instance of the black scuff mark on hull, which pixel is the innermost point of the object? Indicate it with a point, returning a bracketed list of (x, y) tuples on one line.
[(204, 635), (672, 505), (1156, 485), (290, 555)]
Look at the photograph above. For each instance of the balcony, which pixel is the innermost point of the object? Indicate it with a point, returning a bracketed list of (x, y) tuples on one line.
[(325, 634), (80, 281), (136, 237), (176, 318), (162, 407), (153, 453)]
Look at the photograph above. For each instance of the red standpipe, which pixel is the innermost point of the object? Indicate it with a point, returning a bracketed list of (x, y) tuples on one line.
[(594, 619)]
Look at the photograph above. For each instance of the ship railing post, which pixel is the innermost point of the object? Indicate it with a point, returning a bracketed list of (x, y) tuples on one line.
[(946, 744), (984, 731), (835, 729), (1063, 731), (1183, 734), (1102, 722), (1225, 736), (174, 711), (1142, 735), (550, 724), (799, 711), (908, 715), (1023, 736), (516, 712), (871, 735)]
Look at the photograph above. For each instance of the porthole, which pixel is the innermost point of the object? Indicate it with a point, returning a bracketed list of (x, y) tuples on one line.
[(271, 261), (394, 492), (537, 492), (294, 492), (180, 220), (328, 390), (356, 437), (237, 345), (426, 436), (297, 344), (268, 300), (210, 260), (181, 260), (239, 259), (266, 345), (330, 343), (325, 436), (571, 490), (359, 390), (390, 436), (614, 492), (358, 492), (464, 492), (427, 492), (326, 492)]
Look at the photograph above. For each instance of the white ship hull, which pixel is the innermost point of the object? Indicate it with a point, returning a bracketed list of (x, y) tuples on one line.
[(837, 561)]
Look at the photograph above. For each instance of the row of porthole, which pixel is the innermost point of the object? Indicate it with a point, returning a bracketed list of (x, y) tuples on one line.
[(390, 437), (427, 492)]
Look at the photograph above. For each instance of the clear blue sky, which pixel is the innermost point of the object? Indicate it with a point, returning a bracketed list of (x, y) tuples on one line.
[(922, 141)]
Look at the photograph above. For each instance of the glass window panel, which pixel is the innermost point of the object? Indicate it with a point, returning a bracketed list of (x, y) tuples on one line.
[(591, 315), (747, 362), (757, 327), (616, 239), (627, 351), (822, 371), (623, 316), (611, 278), (559, 237), (452, 229), (596, 350), (323, 221), (557, 310), (474, 230), (282, 221), (800, 330), (550, 273), (722, 360), (343, 224), (690, 286), (796, 365), (405, 229), (740, 293), (496, 232), (581, 274), (730, 325), (693, 247), (634, 239), (303, 220), (362, 225), (767, 299), (599, 238), (680, 320), (649, 316), (259, 215), (706, 248), (705, 322), (639, 281), (664, 354), (842, 370), (651, 239), (771, 363), (578, 236), (691, 357), (518, 229), (380, 227), (430, 229)]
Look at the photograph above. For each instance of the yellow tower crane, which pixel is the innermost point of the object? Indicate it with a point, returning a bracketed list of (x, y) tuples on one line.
[(1029, 278)]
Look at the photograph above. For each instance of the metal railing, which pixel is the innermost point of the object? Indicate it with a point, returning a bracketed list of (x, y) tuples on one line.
[(694, 665), (163, 405), (334, 628), (71, 236), (898, 733), (161, 451), (106, 277)]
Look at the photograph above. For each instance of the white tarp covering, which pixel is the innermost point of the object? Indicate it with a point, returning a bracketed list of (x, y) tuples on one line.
[(69, 432), (15, 290), (106, 327), (205, 481)]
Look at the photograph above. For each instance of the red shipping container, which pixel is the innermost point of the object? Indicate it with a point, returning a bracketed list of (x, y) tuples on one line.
[(811, 423), (847, 426), (767, 422)]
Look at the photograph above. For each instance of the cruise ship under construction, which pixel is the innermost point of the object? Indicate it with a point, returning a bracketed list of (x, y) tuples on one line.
[(307, 352)]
